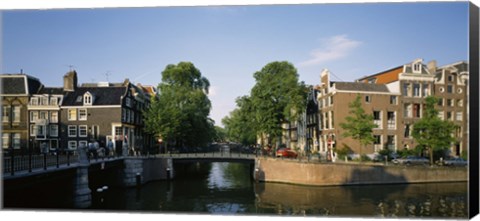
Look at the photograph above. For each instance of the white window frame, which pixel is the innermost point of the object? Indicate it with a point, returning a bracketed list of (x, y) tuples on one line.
[(6, 114), (54, 117), (44, 101), (392, 124), (16, 113), (416, 90), (45, 115), (87, 99), (72, 128), (40, 130), (82, 128), (33, 116), (5, 140), (441, 115), (378, 122), (53, 101), (53, 131), (72, 114), (368, 99), (460, 102), (16, 140), (81, 116), (459, 116), (84, 143), (34, 101), (393, 99), (32, 130), (72, 145)]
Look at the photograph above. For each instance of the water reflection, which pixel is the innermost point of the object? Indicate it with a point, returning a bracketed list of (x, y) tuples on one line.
[(415, 200), (227, 188)]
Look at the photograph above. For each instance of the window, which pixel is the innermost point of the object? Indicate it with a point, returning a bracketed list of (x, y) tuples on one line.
[(459, 116), (368, 99), (82, 131), (449, 89), (41, 130), (407, 131), (391, 142), (34, 101), (33, 116), (377, 142), (440, 102), (331, 117), (44, 101), (441, 115), (124, 114), (72, 114), (327, 124), (32, 129), (82, 114), (16, 114), (72, 145), (441, 89), (79, 99), (407, 112), (87, 99), (43, 115), (449, 103), (16, 141), (417, 68), (6, 114), (406, 88), (425, 90), (393, 99), (331, 100), (54, 117), (128, 102), (95, 132), (450, 78), (5, 140), (118, 133), (416, 110), (449, 115), (391, 120), (72, 131), (377, 119), (416, 90), (459, 90), (53, 101), (83, 143), (460, 103), (54, 130)]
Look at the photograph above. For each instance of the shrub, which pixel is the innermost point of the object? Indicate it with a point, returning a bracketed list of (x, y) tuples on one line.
[(343, 152)]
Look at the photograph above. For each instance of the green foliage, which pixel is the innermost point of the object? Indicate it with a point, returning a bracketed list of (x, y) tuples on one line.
[(464, 155), (431, 132), (277, 97), (179, 114), (386, 152), (240, 125), (359, 125), (343, 152), (220, 134)]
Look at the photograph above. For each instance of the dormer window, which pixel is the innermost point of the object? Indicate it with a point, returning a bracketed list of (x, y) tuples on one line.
[(34, 101), (417, 68), (87, 99)]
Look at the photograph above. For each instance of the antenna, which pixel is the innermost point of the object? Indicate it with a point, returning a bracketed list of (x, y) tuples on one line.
[(71, 67), (107, 74)]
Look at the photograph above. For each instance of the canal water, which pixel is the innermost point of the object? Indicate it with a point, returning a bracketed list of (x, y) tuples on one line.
[(227, 188)]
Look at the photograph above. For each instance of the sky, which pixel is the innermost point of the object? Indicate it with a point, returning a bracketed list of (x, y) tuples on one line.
[(228, 44)]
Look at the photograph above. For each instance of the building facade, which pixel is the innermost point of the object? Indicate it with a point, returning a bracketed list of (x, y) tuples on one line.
[(16, 90)]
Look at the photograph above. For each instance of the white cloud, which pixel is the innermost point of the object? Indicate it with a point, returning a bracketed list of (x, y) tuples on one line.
[(332, 48)]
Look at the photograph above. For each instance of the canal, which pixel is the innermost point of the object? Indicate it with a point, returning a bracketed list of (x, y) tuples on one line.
[(227, 188)]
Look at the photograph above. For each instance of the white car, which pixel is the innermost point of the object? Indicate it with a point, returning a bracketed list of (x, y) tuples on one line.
[(410, 160), (455, 162)]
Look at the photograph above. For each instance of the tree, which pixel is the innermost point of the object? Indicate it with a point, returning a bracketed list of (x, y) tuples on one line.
[(430, 131), (240, 125), (277, 97), (359, 125), (179, 114)]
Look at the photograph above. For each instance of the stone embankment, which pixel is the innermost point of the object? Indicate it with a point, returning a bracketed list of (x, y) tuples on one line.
[(333, 174)]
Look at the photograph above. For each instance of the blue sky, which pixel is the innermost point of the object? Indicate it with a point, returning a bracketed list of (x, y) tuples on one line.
[(230, 43)]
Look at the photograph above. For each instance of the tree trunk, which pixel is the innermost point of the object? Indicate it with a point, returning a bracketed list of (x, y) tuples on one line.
[(431, 155)]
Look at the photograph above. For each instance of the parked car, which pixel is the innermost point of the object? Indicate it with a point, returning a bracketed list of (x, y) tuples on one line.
[(286, 152), (410, 160), (455, 162)]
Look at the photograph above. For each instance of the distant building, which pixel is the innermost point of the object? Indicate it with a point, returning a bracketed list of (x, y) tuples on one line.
[(16, 89)]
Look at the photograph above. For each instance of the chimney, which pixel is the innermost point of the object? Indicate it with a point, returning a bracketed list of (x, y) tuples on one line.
[(70, 81), (432, 66)]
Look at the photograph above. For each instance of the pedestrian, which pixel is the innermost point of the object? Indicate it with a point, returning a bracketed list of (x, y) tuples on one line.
[(110, 147)]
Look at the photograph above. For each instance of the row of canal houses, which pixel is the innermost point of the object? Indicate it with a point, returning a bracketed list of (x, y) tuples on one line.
[(36, 118), (395, 98)]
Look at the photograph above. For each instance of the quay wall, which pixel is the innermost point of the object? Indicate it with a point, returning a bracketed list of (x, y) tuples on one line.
[(148, 169), (333, 174)]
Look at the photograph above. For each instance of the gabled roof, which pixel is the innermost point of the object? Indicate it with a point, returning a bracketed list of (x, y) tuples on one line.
[(359, 86), (103, 96)]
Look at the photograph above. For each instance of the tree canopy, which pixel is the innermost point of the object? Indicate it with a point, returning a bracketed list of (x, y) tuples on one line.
[(430, 131), (179, 114), (277, 97), (240, 125)]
